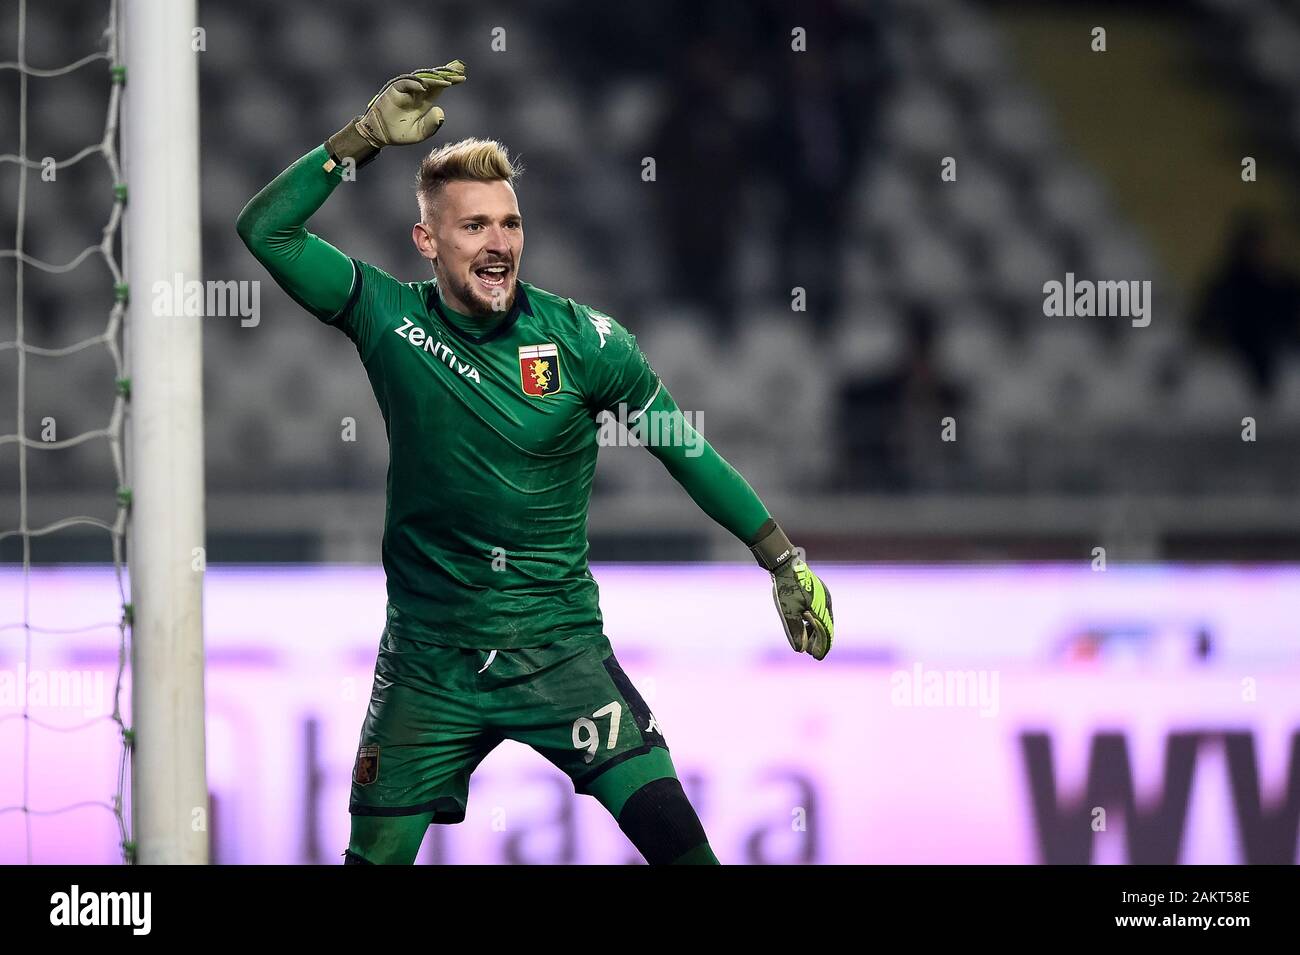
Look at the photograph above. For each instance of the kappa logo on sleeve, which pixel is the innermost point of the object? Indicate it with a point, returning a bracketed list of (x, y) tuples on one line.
[(539, 369), (602, 324)]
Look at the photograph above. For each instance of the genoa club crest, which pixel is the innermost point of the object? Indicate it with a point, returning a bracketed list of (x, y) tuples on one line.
[(539, 369), (367, 768)]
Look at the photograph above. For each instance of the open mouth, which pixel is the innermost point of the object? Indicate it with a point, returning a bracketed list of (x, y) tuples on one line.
[(492, 277)]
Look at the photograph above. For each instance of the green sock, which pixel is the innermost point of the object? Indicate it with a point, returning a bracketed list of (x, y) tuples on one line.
[(700, 855)]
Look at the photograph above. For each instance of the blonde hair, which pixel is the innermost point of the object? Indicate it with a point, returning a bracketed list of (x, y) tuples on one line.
[(475, 160)]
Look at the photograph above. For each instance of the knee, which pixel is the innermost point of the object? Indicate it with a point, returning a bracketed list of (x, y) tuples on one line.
[(660, 821)]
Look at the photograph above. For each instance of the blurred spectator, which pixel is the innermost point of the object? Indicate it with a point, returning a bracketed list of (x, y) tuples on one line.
[(889, 426), (816, 129), (1252, 303), (823, 109), (743, 102), (702, 152)]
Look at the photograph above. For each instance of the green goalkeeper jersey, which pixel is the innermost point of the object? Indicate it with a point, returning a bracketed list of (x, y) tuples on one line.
[(492, 454), (492, 433)]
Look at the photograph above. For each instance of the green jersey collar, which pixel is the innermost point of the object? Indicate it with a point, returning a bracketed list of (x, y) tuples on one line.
[(521, 304)]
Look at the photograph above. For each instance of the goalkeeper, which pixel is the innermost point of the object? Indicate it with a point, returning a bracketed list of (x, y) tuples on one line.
[(490, 388)]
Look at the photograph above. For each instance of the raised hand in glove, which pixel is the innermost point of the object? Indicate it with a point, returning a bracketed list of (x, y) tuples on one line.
[(401, 114)]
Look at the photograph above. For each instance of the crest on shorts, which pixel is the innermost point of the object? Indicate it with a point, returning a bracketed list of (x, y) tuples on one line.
[(366, 770), (539, 369)]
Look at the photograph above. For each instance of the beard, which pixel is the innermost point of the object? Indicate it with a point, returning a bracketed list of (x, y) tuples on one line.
[(467, 294)]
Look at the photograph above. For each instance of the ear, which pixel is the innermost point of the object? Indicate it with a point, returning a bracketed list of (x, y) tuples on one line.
[(423, 238)]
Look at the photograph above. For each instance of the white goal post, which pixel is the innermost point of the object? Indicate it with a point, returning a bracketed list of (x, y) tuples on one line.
[(169, 794)]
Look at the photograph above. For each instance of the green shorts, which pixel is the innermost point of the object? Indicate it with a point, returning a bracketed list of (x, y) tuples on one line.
[(437, 711)]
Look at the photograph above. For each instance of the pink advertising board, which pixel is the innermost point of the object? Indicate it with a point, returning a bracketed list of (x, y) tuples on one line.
[(974, 715)]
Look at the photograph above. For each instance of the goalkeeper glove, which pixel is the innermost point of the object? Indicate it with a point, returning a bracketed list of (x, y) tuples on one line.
[(401, 114), (801, 598)]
